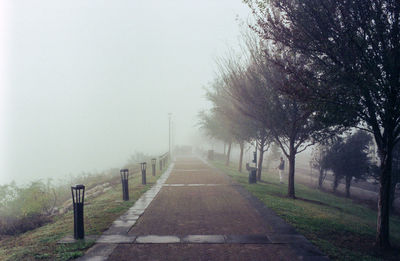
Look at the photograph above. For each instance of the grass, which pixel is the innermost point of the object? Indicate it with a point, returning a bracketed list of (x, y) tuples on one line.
[(100, 212), (341, 228)]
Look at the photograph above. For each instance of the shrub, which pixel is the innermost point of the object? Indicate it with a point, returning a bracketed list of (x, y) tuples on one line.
[(23, 209)]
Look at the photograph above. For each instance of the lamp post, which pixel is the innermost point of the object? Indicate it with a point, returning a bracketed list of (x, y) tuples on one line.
[(153, 165), (255, 155), (253, 171), (78, 196), (124, 180), (143, 167), (169, 133)]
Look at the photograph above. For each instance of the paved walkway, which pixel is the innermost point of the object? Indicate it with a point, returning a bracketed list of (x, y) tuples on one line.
[(195, 212)]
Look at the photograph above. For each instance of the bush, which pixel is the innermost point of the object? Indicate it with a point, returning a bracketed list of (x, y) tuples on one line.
[(23, 209), (13, 226), (29, 207)]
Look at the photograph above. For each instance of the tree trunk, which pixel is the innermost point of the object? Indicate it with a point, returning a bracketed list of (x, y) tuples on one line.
[(241, 144), (228, 155), (382, 230), (292, 161), (224, 148), (348, 184), (321, 178), (335, 182), (392, 194), (260, 162)]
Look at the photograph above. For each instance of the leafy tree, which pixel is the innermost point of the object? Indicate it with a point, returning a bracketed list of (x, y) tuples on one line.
[(274, 154), (291, 124), (235, 76), (352, 53), (240, 127), (319, 162), (349, 159), (263, 140), (217, 126)]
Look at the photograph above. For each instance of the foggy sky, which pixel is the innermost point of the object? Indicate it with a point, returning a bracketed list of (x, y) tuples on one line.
[(85, 84)]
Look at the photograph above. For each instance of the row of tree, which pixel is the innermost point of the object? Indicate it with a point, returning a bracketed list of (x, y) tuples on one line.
[(314, 69)]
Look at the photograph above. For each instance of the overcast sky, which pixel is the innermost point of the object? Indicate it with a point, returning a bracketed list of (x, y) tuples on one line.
[(86, 83)]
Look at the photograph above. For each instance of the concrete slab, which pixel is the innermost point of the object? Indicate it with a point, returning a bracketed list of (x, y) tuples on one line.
[(247, 239), (116, 231), (204, 239), (123, 223), (98, 252), (70, 239), (94, 258), (137, 212), (129, 217), (142, 205), (116, 239), (155, 239)]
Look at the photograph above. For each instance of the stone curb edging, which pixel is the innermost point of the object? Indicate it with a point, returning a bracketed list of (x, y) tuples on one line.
[(121, 226)]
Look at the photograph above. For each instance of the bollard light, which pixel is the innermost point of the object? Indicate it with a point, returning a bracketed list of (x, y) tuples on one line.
[(78, 198), (160, 161), (124, 180), (143, 167), (153, 166), (247, 166), (252, 175)]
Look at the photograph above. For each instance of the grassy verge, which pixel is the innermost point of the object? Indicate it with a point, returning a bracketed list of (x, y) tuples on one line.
[(100, 212), (342, 229)]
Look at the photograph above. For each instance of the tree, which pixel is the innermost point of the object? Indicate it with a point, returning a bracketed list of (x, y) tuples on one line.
[(289, 122), (216, 125), (353, 48), (349, 159), (395, 173), (234, 76), (241, 129), (319, 162), (263, 140), (274, 154)]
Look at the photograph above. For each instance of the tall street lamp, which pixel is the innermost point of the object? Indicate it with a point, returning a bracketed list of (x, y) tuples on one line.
[(169, 134)]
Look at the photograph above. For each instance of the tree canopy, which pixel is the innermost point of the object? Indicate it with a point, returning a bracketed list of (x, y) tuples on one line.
[(351, 53)]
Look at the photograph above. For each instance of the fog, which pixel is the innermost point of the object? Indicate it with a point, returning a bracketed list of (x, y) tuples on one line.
[(86, 84)]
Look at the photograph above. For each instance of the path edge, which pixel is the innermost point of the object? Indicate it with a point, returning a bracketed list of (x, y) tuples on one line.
[(284, 232)]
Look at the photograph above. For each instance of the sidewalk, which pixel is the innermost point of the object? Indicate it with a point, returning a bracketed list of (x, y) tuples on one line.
[(199, 213)]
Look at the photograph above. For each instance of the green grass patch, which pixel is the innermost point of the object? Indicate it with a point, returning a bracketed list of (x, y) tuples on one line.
[(341, 228), (99, 213)]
